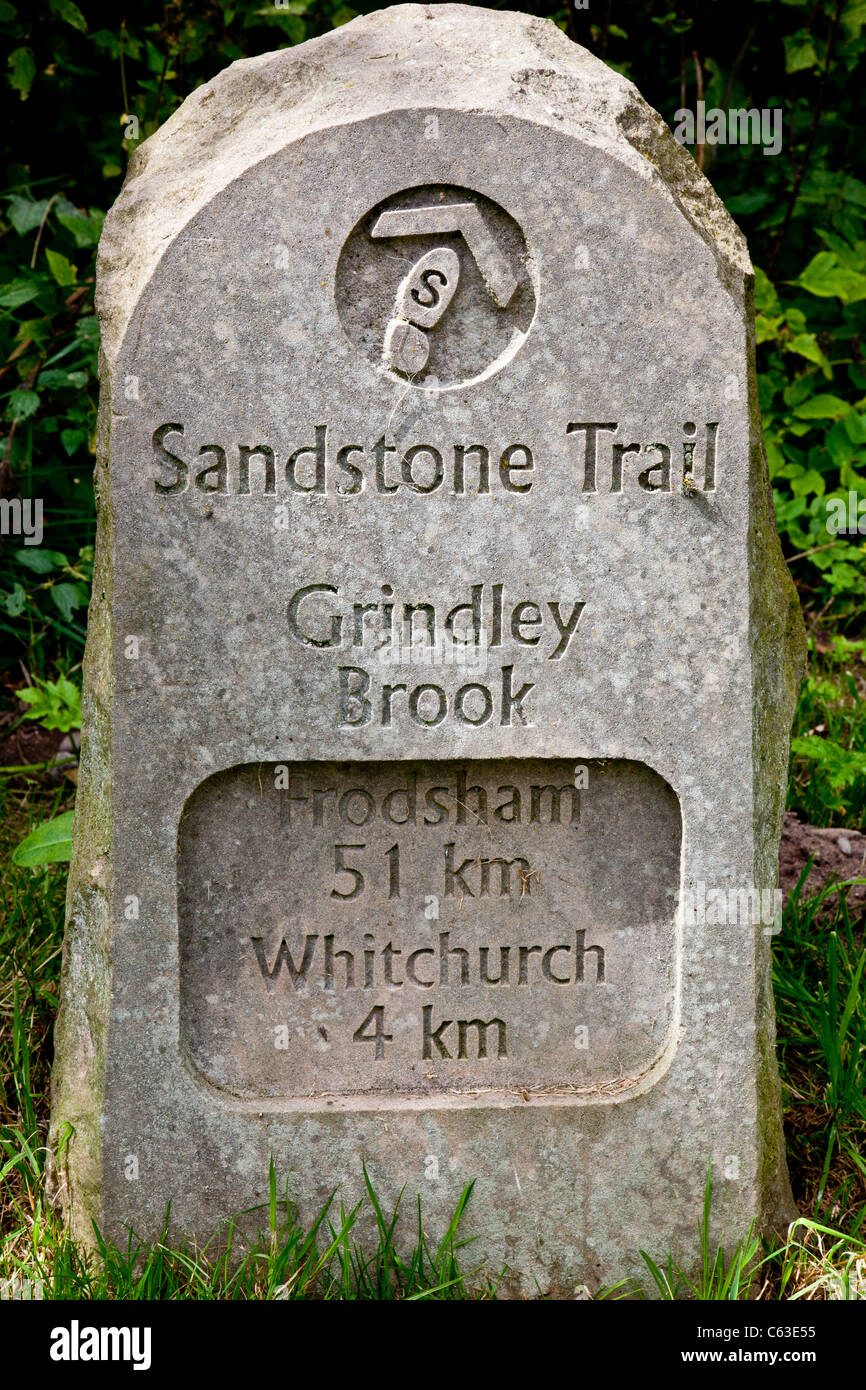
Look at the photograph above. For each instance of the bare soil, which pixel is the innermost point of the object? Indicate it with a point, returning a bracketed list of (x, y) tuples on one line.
[(838, 855)]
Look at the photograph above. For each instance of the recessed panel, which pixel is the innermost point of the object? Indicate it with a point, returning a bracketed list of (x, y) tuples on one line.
[(427, 928)]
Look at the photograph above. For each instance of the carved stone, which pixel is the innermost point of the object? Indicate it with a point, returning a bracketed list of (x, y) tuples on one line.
[(436, 716)]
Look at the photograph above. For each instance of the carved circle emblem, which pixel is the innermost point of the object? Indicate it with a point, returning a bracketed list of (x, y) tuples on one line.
[(436, 286)]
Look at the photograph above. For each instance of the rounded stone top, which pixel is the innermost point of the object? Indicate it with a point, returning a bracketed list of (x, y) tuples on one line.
[(437, 57)]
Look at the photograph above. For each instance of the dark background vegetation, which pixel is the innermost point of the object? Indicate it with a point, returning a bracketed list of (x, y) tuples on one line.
[(81, 85)]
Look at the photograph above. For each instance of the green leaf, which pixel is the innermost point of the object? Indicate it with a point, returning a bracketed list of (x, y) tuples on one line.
[(115, 44), (64, 272), (854, 190), (799, 52), (842, 765), (767, 329), (40, 561), (768, 387), (23, 404), (155, 58), (815, 276), (854, 257), (742, 204), (855, 427), (766, 298), (13, 603), (71, 439), (822, 407), (806, 345), (838, 443), (56, 704), (844, 579), (22, 71), (825, 277), (797, 390), (84, 226), (287, 18), (775, 457), (49, 843), (18, 292), (37, 330), (87, 330), (854, 12), (68, 597), (810, 481), (54, 380), (25, 214), (65, 9)]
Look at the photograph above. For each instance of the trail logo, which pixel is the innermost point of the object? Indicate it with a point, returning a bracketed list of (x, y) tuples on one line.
[(466, 299)]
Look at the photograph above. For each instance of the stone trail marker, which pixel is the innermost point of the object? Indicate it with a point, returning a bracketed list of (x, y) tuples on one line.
[(440, 666)]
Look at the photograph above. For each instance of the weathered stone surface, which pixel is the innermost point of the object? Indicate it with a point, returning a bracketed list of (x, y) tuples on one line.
[(440, 645)]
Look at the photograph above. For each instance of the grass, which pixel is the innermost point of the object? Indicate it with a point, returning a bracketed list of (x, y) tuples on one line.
[(31, 936), (287, 1261), (718, 1277), (819, 963), (815, 1263)]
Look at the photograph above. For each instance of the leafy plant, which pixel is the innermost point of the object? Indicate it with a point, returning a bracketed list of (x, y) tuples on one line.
[(56, 704), (815, 436), (827, 784), (49, 843)]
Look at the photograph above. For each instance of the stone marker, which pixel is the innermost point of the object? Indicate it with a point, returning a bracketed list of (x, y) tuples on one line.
[(440, 667)]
